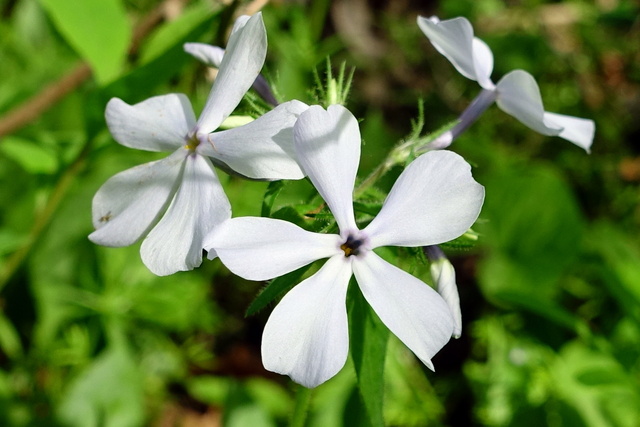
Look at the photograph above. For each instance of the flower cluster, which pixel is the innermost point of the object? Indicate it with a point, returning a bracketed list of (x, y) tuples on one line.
[(177, 206)]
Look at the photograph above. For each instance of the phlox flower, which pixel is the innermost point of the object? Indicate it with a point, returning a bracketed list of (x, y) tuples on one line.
[(176, 201), (517, 93), (434, 200)]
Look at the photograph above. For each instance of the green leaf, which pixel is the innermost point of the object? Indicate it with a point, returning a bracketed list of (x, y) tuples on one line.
[(368, 344), (98, 30), (32, 157), (621, 267), (107, 394), (270, 195), (9, 339), (534, 228), (276, 288)]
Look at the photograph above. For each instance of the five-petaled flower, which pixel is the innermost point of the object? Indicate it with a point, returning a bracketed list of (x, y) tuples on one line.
[(517, 93), (177, 201), (434, 200)]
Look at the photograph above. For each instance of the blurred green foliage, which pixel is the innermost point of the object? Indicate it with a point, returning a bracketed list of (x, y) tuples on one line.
[(550, 295)]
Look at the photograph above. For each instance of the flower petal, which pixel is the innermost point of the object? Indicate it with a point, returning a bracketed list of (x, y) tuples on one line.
[(264, 248), (574, 129), (483, 63), (160, 123), (306, 336), (176, 242), (241, 64), (433, 201), (454, 39), (519, 96), (262, 148), (411, 309), (327, 144), (209, 55), (444, 276), (130, 202)]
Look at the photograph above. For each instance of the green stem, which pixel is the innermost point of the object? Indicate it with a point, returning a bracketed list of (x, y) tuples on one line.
[(398, 155), (300, 411)]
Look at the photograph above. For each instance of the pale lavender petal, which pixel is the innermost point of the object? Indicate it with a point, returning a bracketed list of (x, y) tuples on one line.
[(574, 129), (434, 200), (209, 55), (327, 145), (264, 248), (454, 39), (444, 276), (160, 123), (483, 63), (519, 96), (176, 242), (306, 336), (262, 148), (130, 202), (412, 310), (241, 64)]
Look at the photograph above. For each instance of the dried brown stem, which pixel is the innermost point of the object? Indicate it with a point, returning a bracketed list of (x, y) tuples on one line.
[(33, 107)]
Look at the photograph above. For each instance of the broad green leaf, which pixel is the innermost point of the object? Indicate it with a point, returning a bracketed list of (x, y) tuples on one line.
[(276, 288), (34, 158), (107, 394), (99, 30), (534, 229), (368, 345)]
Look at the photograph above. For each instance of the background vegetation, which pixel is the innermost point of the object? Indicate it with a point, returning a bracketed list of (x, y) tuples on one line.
[(550, 295)]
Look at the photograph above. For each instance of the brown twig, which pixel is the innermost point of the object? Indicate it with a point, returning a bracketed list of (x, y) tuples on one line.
[(33, 107)]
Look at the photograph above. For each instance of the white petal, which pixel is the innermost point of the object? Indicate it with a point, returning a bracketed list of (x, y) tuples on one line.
[(241, 64), (160, 123), (264, 248), (327, 144), (413, 311), (262, 148), (483, 63), (176, 242), (574, 129), (433, 201), (444, 276), (454, 39), (306, 336), (209, 55), (519, 95), (130, 202)]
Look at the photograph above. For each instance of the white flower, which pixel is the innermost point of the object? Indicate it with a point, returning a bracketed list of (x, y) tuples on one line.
[(306, 337), (176, 201), (517, 93)]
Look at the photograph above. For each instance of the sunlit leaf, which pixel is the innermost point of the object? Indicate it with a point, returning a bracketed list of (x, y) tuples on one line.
[(88, 25), (33, 157)]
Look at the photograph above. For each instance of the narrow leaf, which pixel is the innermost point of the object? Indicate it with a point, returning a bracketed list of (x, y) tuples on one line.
[(276, 288), (368, 338)]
